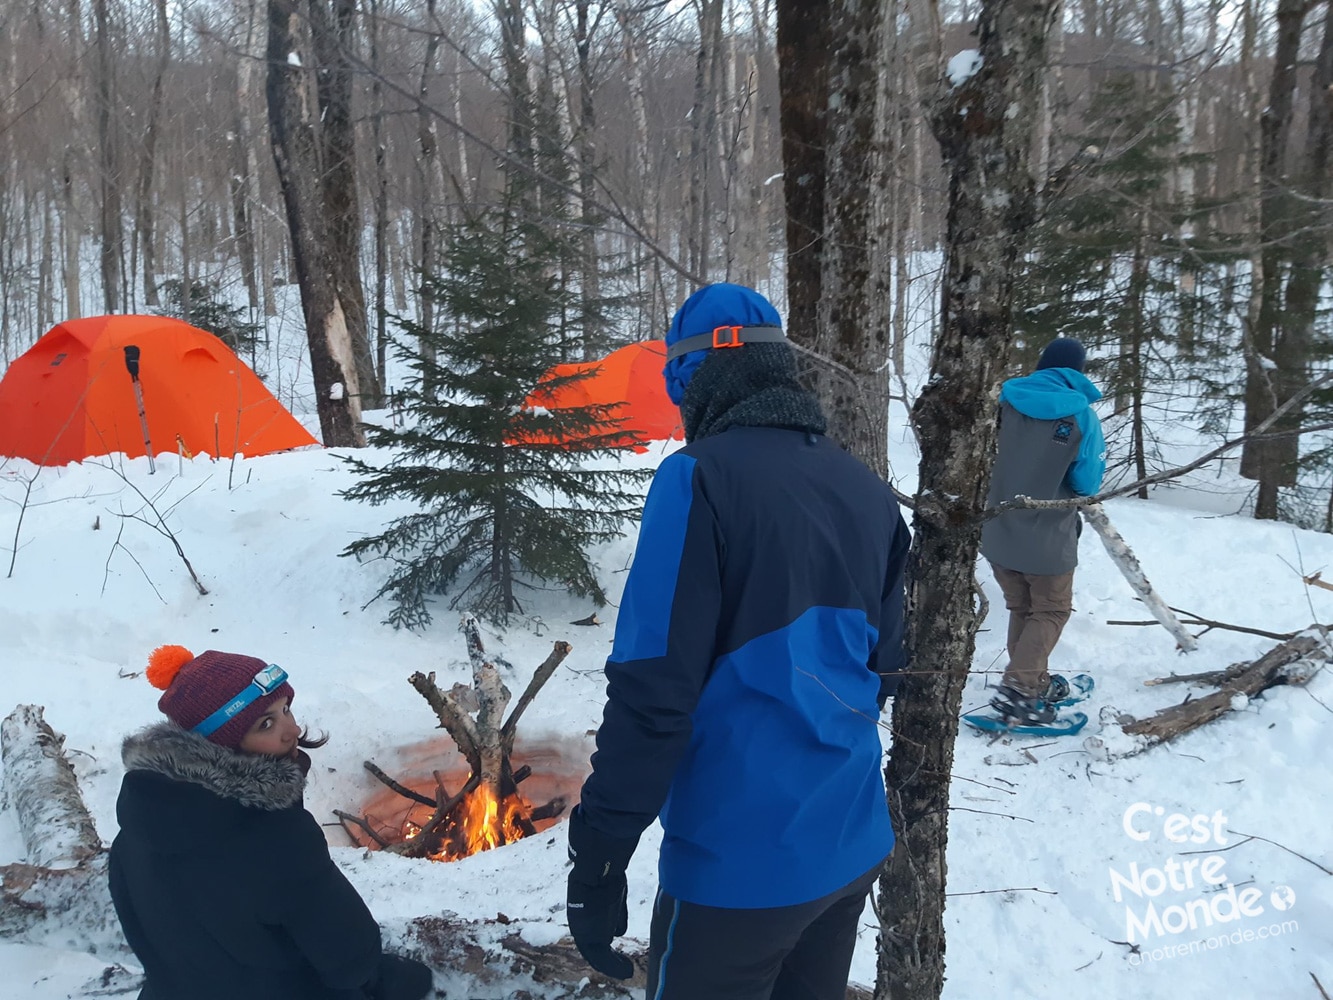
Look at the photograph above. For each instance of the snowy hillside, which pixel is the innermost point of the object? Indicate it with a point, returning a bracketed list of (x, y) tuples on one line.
[(1044, 836)]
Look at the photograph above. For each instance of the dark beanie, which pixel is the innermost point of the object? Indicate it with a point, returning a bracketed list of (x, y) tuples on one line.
[(196, 687), (1063, 352)]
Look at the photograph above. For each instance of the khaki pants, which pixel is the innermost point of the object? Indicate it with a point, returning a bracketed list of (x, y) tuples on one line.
[(1038, 607)]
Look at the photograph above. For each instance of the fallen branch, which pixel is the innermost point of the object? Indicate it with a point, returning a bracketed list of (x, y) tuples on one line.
[(1210, 625), (1293, 662), (161, 526), (1214, 677), (987, 892), (1284, 847), (401, 789), (1128, 564), (362, 823)]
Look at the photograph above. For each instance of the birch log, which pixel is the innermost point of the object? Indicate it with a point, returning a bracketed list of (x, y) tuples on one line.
[(57, 831), (1128, 564), (492, 699), (60, 896)]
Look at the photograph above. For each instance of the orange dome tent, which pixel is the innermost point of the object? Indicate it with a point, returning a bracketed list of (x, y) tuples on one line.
[(630, 377), (71, 396)]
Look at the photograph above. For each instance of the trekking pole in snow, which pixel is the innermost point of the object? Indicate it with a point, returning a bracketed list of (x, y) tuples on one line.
[(1128, 564), (132, 365)]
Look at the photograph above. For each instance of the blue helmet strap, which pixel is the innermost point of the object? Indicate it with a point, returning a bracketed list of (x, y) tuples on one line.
[(265, 682)]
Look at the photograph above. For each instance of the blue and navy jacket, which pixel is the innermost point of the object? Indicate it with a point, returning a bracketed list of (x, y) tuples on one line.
[(1050, 448), (761, 618)]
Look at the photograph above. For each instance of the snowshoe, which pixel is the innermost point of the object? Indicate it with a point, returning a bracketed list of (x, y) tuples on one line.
[(1063, 725), (1015, 712)]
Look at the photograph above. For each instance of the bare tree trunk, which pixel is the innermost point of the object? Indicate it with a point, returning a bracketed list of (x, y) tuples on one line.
[(46, 267), (187, 280), (333, 33), (985, 127), (645, 179), (1133, 352), (803, 72), (297, 156), (431, 180), (377, 139), (1270, 462), (112, 226), (703, 121), (1294, 335), (148, 160), (853, 318), (242, 144), (755, 249), (591, 322)]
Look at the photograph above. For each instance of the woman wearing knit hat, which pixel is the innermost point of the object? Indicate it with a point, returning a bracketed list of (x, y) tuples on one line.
[(222, 881)]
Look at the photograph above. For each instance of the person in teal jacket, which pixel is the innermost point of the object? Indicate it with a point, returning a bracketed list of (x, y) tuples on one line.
[(1050, 447)]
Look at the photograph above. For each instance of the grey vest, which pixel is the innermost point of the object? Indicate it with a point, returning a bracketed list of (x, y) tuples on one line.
[(1032, 460)]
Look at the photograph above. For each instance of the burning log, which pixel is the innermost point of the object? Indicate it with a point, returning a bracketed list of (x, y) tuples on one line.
[(1295, 661), (61, 893), (487, 810)]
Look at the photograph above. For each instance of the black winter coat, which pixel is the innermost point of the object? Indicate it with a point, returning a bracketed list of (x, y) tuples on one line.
[(223, 882)]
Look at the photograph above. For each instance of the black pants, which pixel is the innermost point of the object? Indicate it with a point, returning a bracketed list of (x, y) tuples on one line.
[(801, 952)]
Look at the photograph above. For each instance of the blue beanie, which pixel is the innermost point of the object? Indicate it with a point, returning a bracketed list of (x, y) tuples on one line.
[(1063, 352), (710, 307)]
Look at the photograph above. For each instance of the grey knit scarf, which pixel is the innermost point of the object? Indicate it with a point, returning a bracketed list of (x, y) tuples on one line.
[(750, 386)]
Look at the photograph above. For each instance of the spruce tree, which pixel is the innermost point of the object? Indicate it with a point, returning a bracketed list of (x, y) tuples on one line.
[(508, 495), (1117, 263), (207, 311)]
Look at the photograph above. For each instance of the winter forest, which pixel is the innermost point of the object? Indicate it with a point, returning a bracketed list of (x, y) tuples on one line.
[(404, 214)]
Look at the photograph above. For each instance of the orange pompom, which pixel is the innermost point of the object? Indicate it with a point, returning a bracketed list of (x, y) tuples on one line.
[(165, 663)]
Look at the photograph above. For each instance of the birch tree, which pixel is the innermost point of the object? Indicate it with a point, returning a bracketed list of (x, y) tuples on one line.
[(297, 156), (984, 120)]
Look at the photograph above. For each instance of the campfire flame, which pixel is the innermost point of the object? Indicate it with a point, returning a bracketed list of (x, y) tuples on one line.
[(479, 823)]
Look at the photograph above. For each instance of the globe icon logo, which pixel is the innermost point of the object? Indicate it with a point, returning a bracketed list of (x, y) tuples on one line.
[(1283, 898)]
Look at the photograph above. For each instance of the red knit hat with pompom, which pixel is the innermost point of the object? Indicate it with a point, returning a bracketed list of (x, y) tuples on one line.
[(194, 687)]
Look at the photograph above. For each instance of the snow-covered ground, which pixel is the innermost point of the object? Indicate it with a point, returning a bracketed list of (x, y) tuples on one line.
[(1044, 836), (1044, 833)]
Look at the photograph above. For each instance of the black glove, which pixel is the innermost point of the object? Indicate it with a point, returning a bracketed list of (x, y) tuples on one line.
[(596, 902)]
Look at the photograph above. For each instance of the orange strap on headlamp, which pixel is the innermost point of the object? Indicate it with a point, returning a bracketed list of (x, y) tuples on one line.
[(726, 336)]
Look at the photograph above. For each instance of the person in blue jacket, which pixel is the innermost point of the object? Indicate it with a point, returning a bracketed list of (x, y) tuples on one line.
[(759, 635), (1050, 447)]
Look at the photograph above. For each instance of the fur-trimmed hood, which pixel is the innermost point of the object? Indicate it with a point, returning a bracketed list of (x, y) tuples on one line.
[(253, 780)]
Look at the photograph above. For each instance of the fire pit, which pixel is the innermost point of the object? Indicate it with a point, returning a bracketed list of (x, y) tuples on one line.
[(455, 813)]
